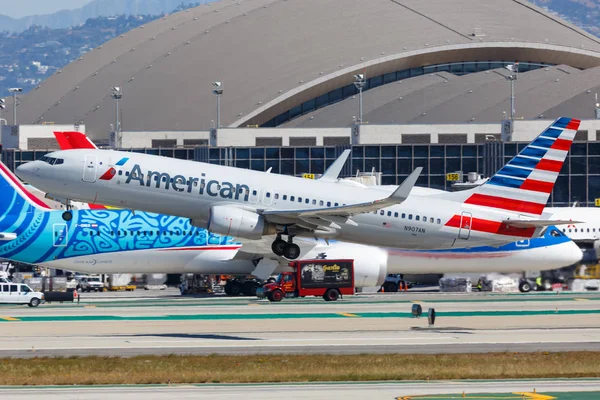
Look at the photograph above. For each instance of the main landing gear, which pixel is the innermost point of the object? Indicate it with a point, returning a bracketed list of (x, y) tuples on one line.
[(288, 249)]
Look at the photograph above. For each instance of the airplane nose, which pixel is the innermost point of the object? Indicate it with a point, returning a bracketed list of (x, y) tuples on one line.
[(573, 255), (28, 171)]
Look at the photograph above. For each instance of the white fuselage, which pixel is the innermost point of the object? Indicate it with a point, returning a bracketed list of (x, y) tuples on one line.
[(371, 264), (190, 189)]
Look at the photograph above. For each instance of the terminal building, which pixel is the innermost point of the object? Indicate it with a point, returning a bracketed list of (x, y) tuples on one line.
[(289, 84)]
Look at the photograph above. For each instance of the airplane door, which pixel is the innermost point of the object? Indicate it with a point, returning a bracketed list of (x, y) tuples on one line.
[(89, 168), (60, 235), (464, 231)]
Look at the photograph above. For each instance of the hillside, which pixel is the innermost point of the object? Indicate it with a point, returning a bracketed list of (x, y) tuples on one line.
[(95, 9), (29, 57)]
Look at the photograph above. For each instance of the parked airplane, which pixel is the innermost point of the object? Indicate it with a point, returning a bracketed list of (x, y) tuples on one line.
[(123, 241), (583, 228), (251, 204)]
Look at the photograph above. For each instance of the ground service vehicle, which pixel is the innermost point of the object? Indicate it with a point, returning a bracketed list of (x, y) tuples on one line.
[(91, 283), (18, 293), (327, 278)]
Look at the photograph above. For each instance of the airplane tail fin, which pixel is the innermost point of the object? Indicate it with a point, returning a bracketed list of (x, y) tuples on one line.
[(14, 197), (526, 182), (73, 140)]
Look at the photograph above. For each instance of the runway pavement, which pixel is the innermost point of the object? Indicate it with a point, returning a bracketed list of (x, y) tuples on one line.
[(519, 389), (362, 324)]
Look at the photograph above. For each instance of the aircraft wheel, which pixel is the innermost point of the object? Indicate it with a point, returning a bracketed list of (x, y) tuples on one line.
[(291, 251), (278, 246)]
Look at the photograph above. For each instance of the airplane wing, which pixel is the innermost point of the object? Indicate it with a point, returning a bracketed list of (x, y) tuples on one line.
[(329, 213), (537, 223)]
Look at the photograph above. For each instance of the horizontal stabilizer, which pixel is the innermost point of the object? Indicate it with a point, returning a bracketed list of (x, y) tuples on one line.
[(537, 223)]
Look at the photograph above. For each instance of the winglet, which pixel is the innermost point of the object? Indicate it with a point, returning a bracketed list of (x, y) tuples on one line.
[(404, 189), (333, 172)]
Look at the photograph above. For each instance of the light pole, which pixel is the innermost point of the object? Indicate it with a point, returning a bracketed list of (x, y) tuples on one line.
[(218, 91), (117, 95), (514, 69), (359, 82), (14, 92)]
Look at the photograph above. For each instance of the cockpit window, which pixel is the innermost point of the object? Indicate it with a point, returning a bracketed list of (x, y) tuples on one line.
[(52, 160), (556, 233)]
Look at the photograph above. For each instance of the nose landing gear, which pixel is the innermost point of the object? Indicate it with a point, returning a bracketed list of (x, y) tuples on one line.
[(288, 249)]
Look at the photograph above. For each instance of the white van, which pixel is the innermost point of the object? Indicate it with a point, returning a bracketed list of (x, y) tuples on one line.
[(18, 293)]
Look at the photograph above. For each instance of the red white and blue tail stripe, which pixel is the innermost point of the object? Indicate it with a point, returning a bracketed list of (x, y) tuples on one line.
[(525, 183)]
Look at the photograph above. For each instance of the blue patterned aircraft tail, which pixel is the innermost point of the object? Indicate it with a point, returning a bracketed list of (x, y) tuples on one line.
[(14, 198)]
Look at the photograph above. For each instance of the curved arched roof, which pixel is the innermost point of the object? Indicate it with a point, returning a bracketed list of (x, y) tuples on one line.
[(272, 55), (478, 97)]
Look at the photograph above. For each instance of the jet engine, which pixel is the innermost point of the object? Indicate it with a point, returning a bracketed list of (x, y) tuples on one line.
[(7, 236), (370, 263), (233, 221)]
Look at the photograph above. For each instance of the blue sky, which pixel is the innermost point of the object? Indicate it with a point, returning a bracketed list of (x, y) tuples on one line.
[(22, 8)]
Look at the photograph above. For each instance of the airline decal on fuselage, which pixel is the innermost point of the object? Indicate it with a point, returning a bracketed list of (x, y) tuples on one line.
[(180, 183)]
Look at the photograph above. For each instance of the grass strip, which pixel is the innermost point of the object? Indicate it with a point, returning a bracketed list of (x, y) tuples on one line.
[(294, 368)]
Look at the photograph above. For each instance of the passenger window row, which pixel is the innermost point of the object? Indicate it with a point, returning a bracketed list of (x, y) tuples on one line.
[(299, 199), (582, 230), (432, 220)]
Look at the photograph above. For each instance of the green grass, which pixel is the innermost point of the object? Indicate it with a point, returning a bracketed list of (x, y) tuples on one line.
[(294, 368)]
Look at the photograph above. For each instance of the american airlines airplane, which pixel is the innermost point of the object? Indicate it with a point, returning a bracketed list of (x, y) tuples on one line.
[(102, 240), (583, 227), (251, 204)]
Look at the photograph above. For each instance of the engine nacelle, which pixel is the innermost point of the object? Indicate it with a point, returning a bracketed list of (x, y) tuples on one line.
[(370, 263), (5, 236), (233, 221)]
